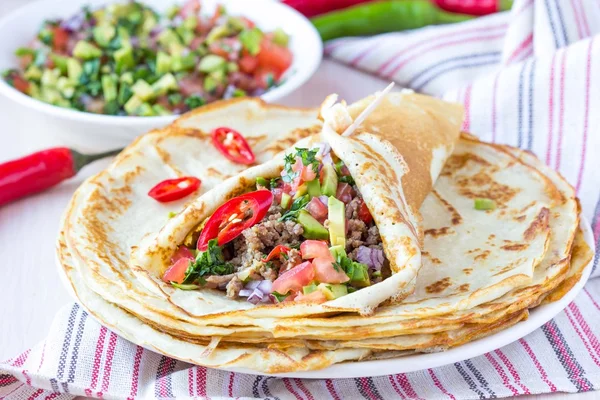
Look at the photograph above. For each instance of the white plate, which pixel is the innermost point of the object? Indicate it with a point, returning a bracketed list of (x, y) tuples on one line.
[(537, 317), (97, 132)]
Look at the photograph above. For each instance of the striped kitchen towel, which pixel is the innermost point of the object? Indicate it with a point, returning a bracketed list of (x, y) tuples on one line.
[(528, 78)]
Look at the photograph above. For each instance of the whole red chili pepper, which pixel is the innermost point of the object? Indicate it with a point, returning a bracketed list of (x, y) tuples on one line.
[(310, 8), (42, 170), (474, 7)]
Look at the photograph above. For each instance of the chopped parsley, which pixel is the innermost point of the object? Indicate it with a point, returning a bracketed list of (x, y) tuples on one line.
[(347, 179), (280, 297), (294, 210), (307, 156), (207, 263)]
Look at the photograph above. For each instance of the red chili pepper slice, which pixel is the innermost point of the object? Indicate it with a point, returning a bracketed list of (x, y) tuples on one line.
[(363, 213), (276, 252), (233, 217), (174, 189), (232, 145)]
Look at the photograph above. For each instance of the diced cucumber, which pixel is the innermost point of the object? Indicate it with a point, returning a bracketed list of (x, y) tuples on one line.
[(250, 39), (86, 50), (145, 110), (236, 24), (125, 93), (127, 78), (165, 84), (132, 105), (183, 63), (210, 84), (109, 87), (124, 59), (211, 63), (172, 11), (60, 62), (232, 67), (143, 90), (186, 35), (190, 23), (74, 69), (103, 34), (149, 23), (163, 63), (168, 37), (216, 33), (219, 75), (160, 110), (66, 87)]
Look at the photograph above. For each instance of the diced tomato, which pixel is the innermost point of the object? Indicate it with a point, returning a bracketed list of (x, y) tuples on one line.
[(315, 249), (277, 192), (294, 279), (363, 213), (25, 61), (191, 85), (176, 273), (191, 7), (248, 64), (220, 10), (317, 209), (60, 38), (297, 165), (276, 252), (182, 252), (265, 77), (227, 48), (20, 83), (197, 41), (308, 173), (317, 297), (344, 193), (325, 272), (249, 23), (273, 56)]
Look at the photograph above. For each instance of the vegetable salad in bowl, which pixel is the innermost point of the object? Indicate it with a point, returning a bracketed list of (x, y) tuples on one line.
[(127, 59)]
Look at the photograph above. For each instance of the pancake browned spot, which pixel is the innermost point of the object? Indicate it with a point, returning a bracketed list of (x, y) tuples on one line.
[(538, 225), (437, 232), (458, 161), (483, 185), (515, 246), (464, 288), (483, 255), (456, 217), (468, 271), (439, 286)]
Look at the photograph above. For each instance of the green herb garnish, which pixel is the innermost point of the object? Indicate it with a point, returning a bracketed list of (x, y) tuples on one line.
[(297, 205), (280, 297), (209, 262), (194, 101)]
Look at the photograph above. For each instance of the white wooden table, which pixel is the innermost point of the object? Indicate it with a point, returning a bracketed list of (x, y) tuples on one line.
[(31, 291)]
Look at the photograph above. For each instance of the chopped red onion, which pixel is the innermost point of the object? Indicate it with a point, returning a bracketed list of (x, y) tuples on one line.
[(256, 296), (245, 292), (373, 258), (229, 91), (327, 159), (265, 286), (73, 23), (324, 199), (252, 285), (324, 148)]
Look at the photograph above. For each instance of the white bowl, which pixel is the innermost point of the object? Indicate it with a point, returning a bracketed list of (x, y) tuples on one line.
[(98, 132)]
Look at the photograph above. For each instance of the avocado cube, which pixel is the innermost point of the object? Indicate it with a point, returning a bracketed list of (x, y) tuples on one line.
[(232, 67), (314, 188), (124, 58), (360, 276), (280, 37), (330, 180), (165, 84), (131, 107), (50, 77), (309, 288), (337, 222), (312, 228), (286, 201), (74, 69), (163, 63), (143, 90), (127, 78), (160, 110), (60, 62), (301, 191), (33, 73), (66, 87), (109, 87), (183, 63), (337, 252), (103, 34), (333, 292), (211, 63), (218, 32), (168, 37), (86, 50), (210, 84), (145, 110)]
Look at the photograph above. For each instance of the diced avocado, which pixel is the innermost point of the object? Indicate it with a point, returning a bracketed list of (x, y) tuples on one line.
[(125, 93), (218, 32), (219, 75), (103, 34), (33, 73), (51, 95), (337, 251), (124, 35), (132, 105), (186, 35), (109, 87), (34, 91), (332, 292), (165, 84), (232, 67), (337, 222), (309, 288), (251, 39), (60, 62), (312, 228), (163, 63), (86, 50), (66, 87), (50, 77), (149, 23), (236, 24), (301, 191), (360, 275), (143, 90), (239, 93), (124, 59), (314, 188), (260, 181), (145, 110), (280, 37), (173, 11), (168, 38), (190, 23), (286, 200), (160, 110), (74, 69), (210, 84), (183, 63), (127, 78), (211, 63), (244, 275), (330, 180)]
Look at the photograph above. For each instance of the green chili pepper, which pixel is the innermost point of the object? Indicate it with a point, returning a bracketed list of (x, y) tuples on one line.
[(382, 16)]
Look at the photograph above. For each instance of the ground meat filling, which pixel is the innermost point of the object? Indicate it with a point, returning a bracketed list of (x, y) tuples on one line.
[(250, 249)]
